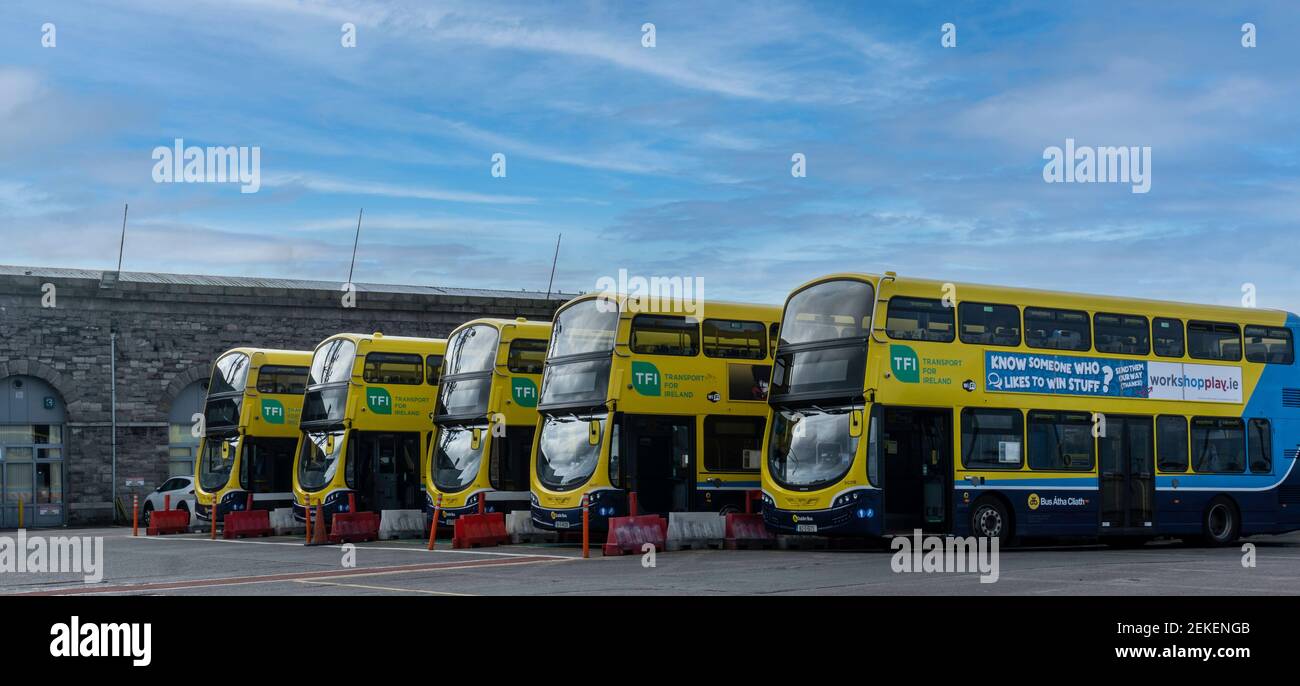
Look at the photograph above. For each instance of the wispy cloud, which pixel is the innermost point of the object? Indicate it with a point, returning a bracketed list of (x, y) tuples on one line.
[(325, 184)]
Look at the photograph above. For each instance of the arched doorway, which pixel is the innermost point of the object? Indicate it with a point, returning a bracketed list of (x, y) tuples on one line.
[(182, 444), (32, 421)]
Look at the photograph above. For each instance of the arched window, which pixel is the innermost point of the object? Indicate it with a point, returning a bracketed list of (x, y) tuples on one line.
[(182, 444), (32, 417)]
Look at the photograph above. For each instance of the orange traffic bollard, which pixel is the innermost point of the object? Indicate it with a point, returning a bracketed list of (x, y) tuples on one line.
[(631, 504), (433, 528), (306, 514), (320, 535), (586, 529), (212, 516), (135, 514), (482, 502), (167, 502)]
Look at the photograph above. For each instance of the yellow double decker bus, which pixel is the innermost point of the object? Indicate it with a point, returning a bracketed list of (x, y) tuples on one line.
[(639, 399), (366, 423), (486, 416), (250, 430), (902, 404)]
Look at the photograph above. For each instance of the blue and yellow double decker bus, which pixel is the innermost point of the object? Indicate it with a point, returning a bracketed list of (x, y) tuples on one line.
[(902, 404), (639, 397), (367, 420), (486, 417), (250, 430)]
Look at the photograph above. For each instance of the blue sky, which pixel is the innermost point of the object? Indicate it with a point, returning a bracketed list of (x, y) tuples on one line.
[(665, 161)]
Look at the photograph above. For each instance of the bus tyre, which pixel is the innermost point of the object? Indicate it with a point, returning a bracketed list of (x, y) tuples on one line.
[(989, 519), (1221, 523)]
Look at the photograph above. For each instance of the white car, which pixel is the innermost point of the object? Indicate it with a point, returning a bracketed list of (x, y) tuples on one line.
[(181, 490)]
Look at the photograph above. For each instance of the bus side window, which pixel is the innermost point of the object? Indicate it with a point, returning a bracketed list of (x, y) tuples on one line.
[(1259, 442), (732, 444), (1168, 336), (1056, 329), (988, 324), (992, 439), (1269, 344), (1214, 341), (615, 463), (1171, 443), (434, 369), (1218, 445)]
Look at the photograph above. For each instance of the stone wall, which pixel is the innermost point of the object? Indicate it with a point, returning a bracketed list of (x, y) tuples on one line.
[(168, 330)]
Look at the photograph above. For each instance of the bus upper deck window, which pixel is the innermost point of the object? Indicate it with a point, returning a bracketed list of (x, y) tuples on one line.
[(1269, 344), (920, 319), (1168, 336), (988, 324), (1214, 341), (1055, 329), (665, 335), (1126, 334)]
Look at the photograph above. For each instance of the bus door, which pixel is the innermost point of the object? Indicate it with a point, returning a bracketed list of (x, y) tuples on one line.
[(390, 464), (267, 469), (661, 458), (1126, 470), (916, 446)]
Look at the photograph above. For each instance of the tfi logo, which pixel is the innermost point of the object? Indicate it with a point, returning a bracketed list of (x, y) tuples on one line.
[(378, 400), (645, 378), (272, 411), (903, 362), (524, 391)]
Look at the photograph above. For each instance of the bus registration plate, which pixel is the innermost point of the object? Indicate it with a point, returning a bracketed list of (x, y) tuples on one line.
[(561, 524), (806, 528)]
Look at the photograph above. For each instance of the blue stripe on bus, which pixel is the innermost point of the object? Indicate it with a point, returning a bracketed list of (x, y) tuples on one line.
[(732, 485), (1081, 482)]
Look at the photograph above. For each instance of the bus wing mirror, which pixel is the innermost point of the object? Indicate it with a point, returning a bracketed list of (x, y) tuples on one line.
[(476, 439), (855, 423), (593, 432)]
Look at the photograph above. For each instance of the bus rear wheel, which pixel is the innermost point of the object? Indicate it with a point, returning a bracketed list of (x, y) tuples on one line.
[(1221, 524), (989, 519)]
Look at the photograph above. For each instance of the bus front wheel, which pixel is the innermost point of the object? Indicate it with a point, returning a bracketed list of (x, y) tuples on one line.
[(1221, 523), (989, 519)]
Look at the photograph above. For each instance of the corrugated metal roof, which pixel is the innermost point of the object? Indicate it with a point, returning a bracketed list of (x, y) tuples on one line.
[(261, 282)]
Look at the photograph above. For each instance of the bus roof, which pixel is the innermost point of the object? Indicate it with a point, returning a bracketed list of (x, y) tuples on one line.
[(713, 309), (273, 355), (523, 327), (1011, 295), (398, 342)]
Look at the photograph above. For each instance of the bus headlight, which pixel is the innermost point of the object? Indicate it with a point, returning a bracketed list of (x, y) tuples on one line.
[(847, 499)]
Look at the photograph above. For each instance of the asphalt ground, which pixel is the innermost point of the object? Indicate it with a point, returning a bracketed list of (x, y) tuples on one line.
[(191, 564)]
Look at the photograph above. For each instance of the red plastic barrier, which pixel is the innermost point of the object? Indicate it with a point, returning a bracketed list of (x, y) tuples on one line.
[(474, 530), (247, 523), (350, 527), (168, 522), (745, 530), (629, 534)]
